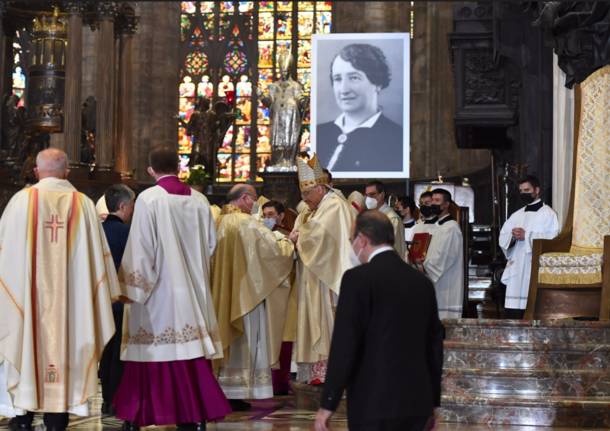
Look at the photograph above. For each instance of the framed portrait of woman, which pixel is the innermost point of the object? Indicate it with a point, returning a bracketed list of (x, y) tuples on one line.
[(360, 104)]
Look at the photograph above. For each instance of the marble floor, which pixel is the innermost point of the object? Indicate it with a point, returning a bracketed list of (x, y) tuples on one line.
[(278, 414)]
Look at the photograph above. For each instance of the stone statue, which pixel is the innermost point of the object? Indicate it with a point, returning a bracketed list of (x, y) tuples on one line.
[(14, 119), (88, 120), (286, 102), (207, 126), (197, 129)]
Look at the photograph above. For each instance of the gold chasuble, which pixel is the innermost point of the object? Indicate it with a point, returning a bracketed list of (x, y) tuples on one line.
[(324, 251), (250, 288), (57, 279)]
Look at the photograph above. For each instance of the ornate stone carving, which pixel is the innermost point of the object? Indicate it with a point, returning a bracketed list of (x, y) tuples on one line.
[(126, 21), (579, 33), (485, 81), (74, 7), (107, 10)]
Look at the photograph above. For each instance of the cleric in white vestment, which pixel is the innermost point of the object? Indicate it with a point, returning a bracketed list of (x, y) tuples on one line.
[(535, 220)]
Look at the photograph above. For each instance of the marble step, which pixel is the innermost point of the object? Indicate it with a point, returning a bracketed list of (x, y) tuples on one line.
[(526, 411), (527, 331), (541, 383), (462, 354)]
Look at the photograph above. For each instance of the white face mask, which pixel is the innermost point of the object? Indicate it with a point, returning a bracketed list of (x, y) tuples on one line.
[(269, 222), (254, 209), (371, 203), (353, 256)]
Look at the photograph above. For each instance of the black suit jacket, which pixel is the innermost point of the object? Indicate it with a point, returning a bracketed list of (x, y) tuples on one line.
[(116, 233), (387, 345)]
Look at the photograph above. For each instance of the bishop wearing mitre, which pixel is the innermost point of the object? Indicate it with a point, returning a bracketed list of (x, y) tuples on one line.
[(57, 280), (250, 288), (322, 238)]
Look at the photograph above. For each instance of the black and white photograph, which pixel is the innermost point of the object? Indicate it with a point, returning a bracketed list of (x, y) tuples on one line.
[(360, 104)]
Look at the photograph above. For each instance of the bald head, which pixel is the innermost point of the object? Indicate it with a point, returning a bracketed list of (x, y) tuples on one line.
[(242, 196), (52, 162)]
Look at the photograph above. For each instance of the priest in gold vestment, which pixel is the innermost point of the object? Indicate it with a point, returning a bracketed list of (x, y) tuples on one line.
[(250, 288), (57, 280), (322, 237)]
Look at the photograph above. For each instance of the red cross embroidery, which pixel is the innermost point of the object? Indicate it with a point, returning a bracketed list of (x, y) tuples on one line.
[(54, 225)]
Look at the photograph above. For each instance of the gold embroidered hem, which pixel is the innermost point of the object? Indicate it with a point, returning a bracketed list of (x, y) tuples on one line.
[(168, 336), (242, 384), (570, 278)]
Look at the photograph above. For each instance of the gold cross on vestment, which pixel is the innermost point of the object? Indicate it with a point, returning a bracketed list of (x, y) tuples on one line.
[(54, 225)]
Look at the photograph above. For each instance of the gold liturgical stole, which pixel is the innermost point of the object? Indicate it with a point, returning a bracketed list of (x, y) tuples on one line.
[(50, 225)]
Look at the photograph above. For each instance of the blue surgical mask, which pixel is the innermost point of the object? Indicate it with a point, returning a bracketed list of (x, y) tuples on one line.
[(269, 222)]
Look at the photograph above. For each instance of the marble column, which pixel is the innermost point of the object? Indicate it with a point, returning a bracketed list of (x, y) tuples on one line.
[(72, 98), (125, 162), (105, 86)]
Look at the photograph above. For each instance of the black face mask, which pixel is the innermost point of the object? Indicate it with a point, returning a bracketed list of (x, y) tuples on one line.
[(526, 198), (426, 211), (435, 209)]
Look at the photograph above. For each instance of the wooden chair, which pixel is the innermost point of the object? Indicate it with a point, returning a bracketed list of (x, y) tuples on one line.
[(571, 279)]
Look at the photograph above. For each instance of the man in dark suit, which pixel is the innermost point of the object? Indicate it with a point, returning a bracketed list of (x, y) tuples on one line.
[(387, 345), (120, 201)]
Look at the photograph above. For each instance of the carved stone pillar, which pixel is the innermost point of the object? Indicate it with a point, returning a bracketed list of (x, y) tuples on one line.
[(72, 99), (126, 28), (105, 86)]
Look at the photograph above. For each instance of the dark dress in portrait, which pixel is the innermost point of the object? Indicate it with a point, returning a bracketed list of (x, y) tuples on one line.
[(376, 148)]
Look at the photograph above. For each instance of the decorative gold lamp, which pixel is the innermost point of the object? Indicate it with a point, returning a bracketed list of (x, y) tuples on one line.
[(45, 95)]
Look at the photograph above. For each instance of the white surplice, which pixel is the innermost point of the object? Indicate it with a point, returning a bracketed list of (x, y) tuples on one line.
[(166, 272), (444, 264), (539, 224)]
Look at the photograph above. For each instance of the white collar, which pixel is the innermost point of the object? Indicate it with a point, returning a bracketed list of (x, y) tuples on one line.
[(165, 176), (340, 122), (380, 250)]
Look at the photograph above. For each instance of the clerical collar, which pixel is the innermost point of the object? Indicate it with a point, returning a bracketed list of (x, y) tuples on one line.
[(535, 206), (367, 124), (445, 219), (409, 223), (431, 221)]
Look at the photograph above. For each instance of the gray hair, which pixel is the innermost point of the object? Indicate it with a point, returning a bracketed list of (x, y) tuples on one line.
[(117, 194)]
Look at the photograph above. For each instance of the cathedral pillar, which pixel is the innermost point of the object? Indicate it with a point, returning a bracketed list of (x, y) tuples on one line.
[(72, 99), (105, 120), (125, 162)]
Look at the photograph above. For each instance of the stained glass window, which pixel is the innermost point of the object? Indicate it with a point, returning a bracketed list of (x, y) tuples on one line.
[(229, 50), (18, 73)]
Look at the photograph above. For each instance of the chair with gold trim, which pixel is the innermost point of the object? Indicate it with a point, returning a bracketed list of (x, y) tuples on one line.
[(571, 274)]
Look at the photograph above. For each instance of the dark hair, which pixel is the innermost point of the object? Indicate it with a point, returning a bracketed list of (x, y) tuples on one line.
[(376, 226), (164, 160), (445, 193), (116, 194), (378, 186), (530, 179), (407, 202), (330, 176), (279, 207), (368, 59)]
